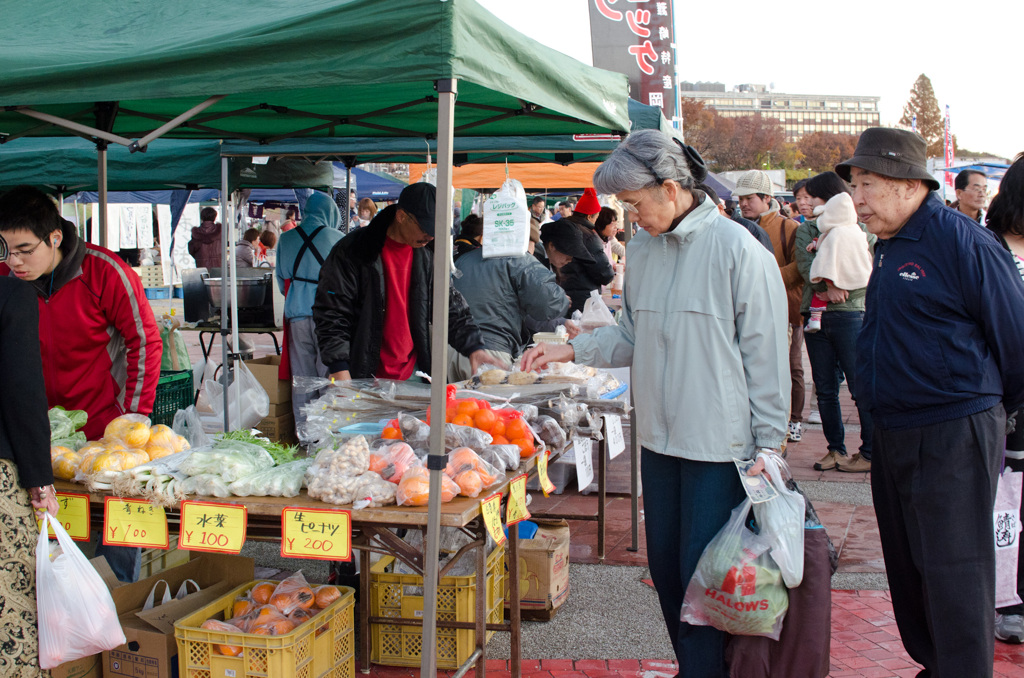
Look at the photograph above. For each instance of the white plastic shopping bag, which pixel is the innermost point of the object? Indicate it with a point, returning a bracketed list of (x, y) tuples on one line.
[(782, 521), (595, 313), (77, 616), (1007, 522), (248, 402), (506, 222), (737, 587)]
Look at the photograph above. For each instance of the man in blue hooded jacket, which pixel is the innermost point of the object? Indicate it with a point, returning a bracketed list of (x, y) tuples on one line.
[(939, 367), (300, 254)]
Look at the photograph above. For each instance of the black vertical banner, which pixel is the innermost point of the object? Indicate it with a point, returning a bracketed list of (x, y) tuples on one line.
[(634, 37)]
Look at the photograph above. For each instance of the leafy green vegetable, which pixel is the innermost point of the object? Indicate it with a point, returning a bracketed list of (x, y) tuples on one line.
[(64, 423), (280, 453), (75, 441)]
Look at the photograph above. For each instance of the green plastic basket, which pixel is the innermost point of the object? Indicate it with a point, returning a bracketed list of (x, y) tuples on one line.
[(174, 392)]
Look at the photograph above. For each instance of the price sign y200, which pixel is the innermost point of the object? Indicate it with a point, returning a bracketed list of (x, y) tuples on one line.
[(134, 522), (212, 527), (321, 534)]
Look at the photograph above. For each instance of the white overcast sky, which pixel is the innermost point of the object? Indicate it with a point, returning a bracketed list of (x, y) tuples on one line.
[(971, 51)]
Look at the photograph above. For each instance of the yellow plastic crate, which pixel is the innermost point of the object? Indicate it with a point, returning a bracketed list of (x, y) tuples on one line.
[(395, 645), (322, 647)]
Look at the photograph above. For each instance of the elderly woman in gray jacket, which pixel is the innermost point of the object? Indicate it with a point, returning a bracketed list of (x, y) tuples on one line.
[(704, 329)]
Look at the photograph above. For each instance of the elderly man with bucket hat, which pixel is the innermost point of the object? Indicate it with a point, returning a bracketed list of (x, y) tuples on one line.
[(754, 193), (939, 366)]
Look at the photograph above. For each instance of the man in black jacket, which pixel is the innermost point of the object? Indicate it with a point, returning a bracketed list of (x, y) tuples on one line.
[(581, 276), (374, 301)]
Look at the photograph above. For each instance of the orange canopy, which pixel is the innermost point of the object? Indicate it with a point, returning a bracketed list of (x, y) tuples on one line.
[(534, 176)]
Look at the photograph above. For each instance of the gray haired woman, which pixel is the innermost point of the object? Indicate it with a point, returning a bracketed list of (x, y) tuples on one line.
[(704, 329)]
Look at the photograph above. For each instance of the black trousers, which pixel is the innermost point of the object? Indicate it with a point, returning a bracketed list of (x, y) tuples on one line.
[(934, 489)]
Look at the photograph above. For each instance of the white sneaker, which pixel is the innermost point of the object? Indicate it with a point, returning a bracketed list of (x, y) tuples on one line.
[(1010, 628), (813, 325), (814, 417), (794, 431)]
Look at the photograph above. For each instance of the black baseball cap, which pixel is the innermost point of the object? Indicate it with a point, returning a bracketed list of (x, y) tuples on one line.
[(419, 200)]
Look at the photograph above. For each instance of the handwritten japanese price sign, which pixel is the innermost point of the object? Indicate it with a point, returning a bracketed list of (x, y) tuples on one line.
[(134, 522), (516, 511), (546, 486), (74, 515), (584, 461), (320, 534), (218, 528), (491, 510), (613, 431)]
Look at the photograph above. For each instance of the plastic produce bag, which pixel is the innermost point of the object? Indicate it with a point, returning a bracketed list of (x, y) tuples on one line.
[(189, 426), (392, 461), (471, 473), (229, 459), (505, 457), (782, 520), (77, 617), (334, 476), (248, 401), (595, 314), (372, 491), (506, 222), (737, 587), (285, 480), (465, 436), (206, 485), (414, 490), (175, 356)]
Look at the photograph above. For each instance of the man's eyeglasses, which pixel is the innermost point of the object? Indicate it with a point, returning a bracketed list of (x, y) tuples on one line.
[(977, 188), (22, 254)]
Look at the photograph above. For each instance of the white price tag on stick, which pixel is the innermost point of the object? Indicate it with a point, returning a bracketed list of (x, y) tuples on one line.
[(613, 432), (584, 461)]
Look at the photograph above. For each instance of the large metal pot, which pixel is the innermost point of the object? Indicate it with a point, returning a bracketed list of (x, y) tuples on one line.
[(251, 292)]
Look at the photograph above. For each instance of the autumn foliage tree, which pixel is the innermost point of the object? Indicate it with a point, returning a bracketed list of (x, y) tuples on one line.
[(746, 142), (925, 107), (822, 151)]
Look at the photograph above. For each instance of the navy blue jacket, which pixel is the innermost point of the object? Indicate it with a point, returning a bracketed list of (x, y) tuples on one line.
[(943, 333)]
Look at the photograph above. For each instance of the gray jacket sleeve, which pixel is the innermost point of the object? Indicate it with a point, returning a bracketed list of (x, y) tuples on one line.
[(762, 318), (540, 296)]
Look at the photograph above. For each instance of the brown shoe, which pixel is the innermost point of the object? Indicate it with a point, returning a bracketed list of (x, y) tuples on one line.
[(854, 464), (828, 462)]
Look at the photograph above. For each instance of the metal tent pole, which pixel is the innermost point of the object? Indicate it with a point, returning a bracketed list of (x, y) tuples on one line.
[(101, 171), (446, 91), (233, 264), (225, 374), (348, 197)]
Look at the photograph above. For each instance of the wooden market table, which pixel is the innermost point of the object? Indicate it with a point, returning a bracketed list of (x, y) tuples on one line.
[(371, 533)]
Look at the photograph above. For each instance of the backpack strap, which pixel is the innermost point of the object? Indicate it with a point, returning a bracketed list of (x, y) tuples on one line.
[(307, 246)]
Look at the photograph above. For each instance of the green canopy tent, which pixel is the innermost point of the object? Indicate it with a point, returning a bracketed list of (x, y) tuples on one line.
[(266, 70)]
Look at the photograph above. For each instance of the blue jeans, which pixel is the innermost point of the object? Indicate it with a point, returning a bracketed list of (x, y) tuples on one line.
[(686, 503), (124, 561), (836, 344)]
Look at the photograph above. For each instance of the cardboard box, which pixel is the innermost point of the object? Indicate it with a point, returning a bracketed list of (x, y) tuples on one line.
[(279, 429), (265, 370), (543, 570), (87, 667), (279, 409), (151, 650)]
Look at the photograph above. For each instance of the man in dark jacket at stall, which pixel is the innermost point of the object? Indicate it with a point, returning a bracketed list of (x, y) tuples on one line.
[(502, 292), (939, 367), (205, 246), (581, 276), (375, 297)]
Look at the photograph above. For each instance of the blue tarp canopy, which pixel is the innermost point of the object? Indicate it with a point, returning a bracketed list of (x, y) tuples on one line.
[(370, 185), (994, 171)]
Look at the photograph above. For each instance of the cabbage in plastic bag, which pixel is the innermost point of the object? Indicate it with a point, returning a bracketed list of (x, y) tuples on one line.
[(229, 459), (64, 423)]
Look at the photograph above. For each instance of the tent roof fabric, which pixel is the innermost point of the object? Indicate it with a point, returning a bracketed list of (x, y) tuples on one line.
[(293, 68)]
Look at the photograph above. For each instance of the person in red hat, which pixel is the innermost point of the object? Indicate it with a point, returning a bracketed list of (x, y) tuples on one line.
[(580, 277)]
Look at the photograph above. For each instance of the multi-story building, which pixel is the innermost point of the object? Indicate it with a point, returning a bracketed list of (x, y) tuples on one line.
[(800, 114)]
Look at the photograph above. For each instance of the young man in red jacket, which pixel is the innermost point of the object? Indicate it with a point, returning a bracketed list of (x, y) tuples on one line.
[(100, 344)]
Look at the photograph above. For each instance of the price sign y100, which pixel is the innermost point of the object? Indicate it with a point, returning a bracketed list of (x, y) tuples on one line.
[(134, 522), (321, 534), (212, 527)]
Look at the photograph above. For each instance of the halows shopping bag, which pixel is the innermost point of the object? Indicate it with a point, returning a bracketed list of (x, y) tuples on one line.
[(737, 587), (782, 521), (1007, 519), (77, 617), (506, 222), (248, 402)]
